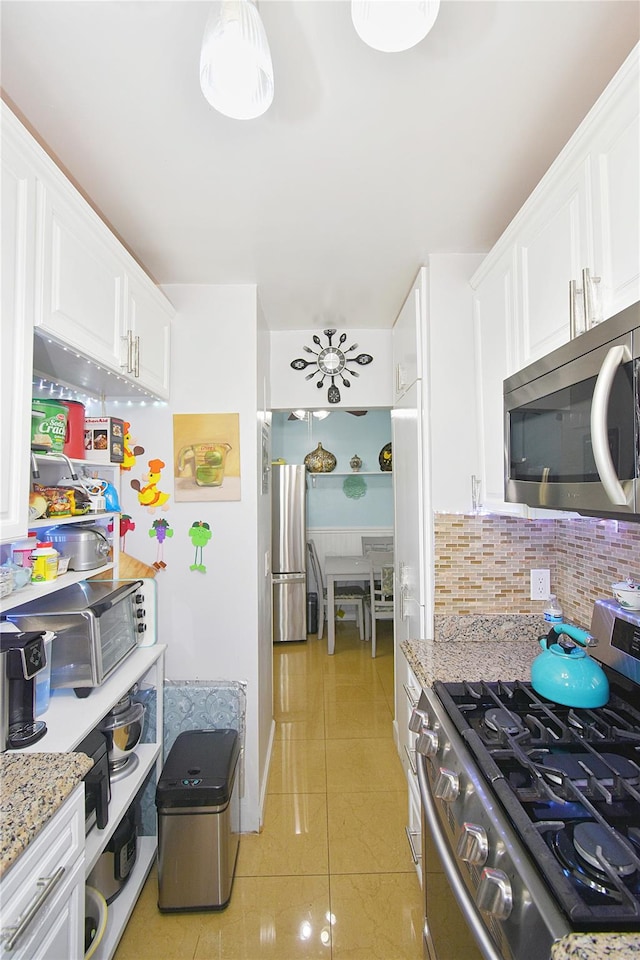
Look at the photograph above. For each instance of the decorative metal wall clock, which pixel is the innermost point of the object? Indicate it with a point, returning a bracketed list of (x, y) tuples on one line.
[(332, 362)]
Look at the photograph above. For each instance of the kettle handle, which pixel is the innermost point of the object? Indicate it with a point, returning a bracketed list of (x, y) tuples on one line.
[(576, 633)]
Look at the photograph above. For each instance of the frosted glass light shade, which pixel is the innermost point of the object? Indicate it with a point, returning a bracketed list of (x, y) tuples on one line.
[(236, 72), (393, 25)]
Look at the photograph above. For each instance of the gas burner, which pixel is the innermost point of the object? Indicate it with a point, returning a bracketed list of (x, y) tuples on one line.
[(501, 720), (595, 843), (579, 767), (570, 845)]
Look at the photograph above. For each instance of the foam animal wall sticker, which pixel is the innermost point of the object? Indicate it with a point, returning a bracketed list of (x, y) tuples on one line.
[(199, 534), (161, 530), (150, 495), (126, 524), (130, 450)]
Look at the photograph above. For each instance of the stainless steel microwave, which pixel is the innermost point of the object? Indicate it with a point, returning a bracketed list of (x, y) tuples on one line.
[(572, 424), (97, 623)]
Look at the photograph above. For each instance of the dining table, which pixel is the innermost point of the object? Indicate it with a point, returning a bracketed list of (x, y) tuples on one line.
[(338, 570)]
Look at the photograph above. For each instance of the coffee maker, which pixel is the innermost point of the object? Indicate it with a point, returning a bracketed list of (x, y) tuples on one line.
[(22, 656)]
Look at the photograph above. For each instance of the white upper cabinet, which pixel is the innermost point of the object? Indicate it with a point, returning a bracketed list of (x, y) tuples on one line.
[(551, 250), (615, 172), (16, 340), (493, 315), (80, 279), (91, 299), (147, 335), (408, 332)]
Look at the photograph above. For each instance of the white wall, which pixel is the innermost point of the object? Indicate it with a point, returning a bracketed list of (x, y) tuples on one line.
[(213, 623), (290, 390)]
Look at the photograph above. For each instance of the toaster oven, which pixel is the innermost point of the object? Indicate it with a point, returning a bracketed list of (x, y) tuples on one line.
[(97, 623)]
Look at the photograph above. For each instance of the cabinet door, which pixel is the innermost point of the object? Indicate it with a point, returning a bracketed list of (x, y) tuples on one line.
[(409, 516), (553, 246), (494, 322), (80, 280), (616, 201), (18, 233), (407, 336), (148, 329)]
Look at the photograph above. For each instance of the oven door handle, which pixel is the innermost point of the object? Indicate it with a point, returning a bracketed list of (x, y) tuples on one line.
[(462, 895), (614, 359)]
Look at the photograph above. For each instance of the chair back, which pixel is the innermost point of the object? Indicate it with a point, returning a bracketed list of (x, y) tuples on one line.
[(370, 544), (381, 574), (316, 569)]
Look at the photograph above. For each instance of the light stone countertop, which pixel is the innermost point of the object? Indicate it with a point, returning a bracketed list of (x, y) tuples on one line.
[(503, 648), (32, 788)]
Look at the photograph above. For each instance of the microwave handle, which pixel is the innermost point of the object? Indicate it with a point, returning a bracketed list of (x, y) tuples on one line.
[(599, 408), (103, 605)]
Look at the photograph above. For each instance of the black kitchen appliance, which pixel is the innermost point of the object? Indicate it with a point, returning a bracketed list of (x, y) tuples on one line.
[(115, 864), (22, 656), (534, 807), (97, 784)]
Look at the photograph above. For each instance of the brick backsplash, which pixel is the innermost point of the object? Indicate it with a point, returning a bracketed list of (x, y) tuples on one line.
[(482, 562)]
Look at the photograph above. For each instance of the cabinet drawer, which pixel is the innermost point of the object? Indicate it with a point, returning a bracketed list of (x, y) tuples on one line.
[(59, 844)]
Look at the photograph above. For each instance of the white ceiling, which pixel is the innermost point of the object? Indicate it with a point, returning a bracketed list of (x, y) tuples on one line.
[(365, 163)]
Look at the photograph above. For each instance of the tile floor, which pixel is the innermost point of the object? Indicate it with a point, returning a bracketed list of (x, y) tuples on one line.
[(330, 876)]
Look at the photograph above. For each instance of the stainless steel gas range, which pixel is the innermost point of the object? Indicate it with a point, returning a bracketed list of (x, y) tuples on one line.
[(531, 809)]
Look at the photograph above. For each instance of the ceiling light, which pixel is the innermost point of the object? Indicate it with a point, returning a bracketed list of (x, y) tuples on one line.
[(300, 414), (393, 25), (321, 414), (236, 73)]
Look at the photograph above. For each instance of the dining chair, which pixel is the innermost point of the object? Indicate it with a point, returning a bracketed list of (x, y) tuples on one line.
[(344, 594), (380, 597)]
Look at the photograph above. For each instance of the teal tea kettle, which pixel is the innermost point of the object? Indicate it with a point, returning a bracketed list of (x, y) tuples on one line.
[(565, 673)]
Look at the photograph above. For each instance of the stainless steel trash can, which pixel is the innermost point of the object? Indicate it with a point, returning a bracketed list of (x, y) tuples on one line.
[(198, 821)]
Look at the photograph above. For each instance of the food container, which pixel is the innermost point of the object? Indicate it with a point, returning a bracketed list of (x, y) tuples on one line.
[(104, 439), (6, 581), (22, 550), (44, 563), (48, 424), (74, 436), (627, 593)]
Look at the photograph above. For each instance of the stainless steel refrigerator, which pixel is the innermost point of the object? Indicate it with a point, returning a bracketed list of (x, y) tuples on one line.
[(289, 551)]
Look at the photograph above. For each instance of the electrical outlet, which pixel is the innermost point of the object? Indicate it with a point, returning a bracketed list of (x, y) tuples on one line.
[(540, 585)]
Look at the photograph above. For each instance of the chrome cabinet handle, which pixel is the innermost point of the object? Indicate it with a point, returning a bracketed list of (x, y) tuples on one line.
[(48, 884), (411, 757), (415, 856), (615, 357), (590, 318), (136, 357), (411, 697)]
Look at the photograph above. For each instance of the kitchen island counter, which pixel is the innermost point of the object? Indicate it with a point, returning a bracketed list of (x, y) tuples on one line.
[(32, 788), (501, 648)]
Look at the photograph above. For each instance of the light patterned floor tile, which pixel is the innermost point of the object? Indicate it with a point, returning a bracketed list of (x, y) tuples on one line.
[(367, 833), (298, 766), (270, 918), (377, 917), (293, 841), (370, 766), (347, 720)]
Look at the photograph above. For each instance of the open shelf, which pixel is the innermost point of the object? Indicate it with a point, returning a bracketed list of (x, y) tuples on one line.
[(123, 793), (34, 591), (69, 718), (122, 907)]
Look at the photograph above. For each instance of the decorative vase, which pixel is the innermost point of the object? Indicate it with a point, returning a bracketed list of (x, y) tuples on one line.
[(320, 460), (355, 463), (385, 459)]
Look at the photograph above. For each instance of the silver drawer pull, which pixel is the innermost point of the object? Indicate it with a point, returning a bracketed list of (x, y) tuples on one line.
[(48, 884), (411, 696), (411, 757), (416, 857)]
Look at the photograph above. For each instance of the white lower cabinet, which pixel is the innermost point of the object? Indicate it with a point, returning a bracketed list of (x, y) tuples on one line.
[(43, 893), (408, 692)]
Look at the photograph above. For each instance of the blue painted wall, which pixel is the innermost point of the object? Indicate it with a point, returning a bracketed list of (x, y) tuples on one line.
[(343, 435)]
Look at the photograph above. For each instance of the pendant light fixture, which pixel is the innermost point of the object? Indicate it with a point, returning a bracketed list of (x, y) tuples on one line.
[(393, 25), (236, 72)]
